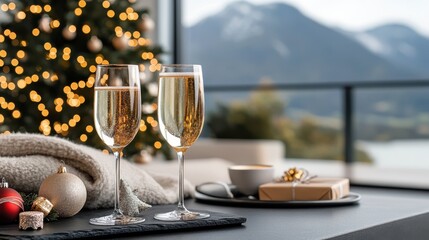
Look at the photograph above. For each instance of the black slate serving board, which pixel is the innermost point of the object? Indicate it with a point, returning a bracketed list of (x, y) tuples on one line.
[(79, 227)]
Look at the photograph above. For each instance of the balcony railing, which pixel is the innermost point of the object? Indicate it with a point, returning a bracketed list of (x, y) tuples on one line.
[(347, 89)]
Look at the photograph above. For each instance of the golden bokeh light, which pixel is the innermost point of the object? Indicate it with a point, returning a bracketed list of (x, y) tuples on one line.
[(12, 6), (82, 3), (86, 29), (74, 86), (150, 119), (110, 13), (78, 11), (20, 54), (19, 70), (16, 114), (76, 118), (80, 59), (136, 34), (72, 123), (128, 34), (21, 84), (45, 112), (83, 137), (21, 15), (58, 101), (89, 128), (54, 77), (34, 78), (92, 69), (81, 84), (11, 86), (41, 107), (4, 7), (47, 8), (123, 16), (46, 74), (99, 59), (157, 144), (54, 24), (35, 32), (28, 80), (11, 106), (72, 28), (106, 4), (14, 62), (57, 127), (47, 46), (35, 9), (64, 127), (12, 35), (154, 124)]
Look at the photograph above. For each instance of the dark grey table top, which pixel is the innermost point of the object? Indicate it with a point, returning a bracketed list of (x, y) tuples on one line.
[(380, 214)]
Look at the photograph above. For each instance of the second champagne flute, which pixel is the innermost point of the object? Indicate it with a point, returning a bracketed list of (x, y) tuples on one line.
[(181, 119), (117, 117)]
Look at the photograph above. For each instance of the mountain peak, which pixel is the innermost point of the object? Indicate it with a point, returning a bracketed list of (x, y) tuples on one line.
[(245, 8), (243, 20), (394, 30), (240, 7)]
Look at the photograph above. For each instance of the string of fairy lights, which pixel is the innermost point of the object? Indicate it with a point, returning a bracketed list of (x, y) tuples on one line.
[(15, 77)]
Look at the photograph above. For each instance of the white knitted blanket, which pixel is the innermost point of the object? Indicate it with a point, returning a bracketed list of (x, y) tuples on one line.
[(27, 159)]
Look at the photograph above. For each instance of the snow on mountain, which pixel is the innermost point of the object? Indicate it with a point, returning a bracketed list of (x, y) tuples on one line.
[(399, 44), (372, 43), (244, 22)]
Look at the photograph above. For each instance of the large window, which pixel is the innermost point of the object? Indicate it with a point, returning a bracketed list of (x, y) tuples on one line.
[(246, 46)]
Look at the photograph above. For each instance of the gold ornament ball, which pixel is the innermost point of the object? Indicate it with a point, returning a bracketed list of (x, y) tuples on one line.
[(67, 34), (146, 23), (94, 44), (65, 191), (44, 24), (120, 43)]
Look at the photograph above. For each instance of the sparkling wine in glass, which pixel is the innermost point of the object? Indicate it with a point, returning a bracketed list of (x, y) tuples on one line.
[(181, 119), (117, 117)]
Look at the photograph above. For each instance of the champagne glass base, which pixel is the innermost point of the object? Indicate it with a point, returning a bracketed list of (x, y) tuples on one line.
[(112, 220), (178, 215)]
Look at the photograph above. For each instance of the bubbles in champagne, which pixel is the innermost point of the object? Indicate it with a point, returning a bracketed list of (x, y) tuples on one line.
[(181, 108), (117, 111)]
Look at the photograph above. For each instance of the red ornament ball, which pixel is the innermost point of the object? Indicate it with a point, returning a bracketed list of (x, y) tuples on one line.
[(11, 204)]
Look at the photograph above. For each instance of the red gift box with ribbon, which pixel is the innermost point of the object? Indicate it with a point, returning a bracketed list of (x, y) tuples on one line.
[(311, 190)]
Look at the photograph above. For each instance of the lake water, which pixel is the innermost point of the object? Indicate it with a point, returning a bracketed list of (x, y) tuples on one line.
[(400, 153)]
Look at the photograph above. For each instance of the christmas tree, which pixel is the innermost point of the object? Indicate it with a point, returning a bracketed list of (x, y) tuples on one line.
[(48, 55)]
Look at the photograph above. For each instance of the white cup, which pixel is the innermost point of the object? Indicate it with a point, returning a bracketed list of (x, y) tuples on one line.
[(247, 178)]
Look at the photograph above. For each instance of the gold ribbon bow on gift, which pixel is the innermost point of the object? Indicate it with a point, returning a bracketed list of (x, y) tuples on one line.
[(296, 175)]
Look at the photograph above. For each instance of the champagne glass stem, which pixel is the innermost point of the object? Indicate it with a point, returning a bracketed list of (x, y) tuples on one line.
[(181, 205), (117, 211)]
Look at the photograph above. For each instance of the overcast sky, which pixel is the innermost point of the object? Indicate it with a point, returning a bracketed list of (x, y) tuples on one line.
[(346, 14)]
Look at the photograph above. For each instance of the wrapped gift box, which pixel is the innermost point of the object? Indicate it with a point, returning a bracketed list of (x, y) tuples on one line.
[(314, 189)]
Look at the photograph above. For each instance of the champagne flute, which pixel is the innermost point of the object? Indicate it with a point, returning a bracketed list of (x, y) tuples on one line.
[(181, 118), (117, 117)]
